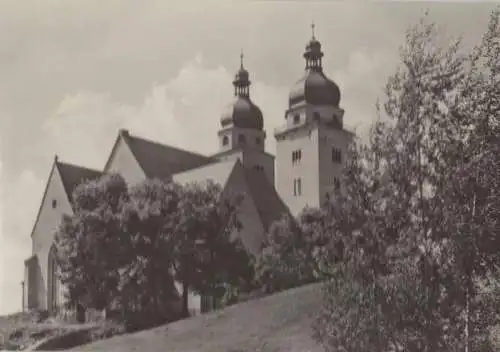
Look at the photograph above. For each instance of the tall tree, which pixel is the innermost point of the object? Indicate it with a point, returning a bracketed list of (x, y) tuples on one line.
[(474, 214), (209, 258), (298, 251), (395, 211), (92, 245), (149, 218)]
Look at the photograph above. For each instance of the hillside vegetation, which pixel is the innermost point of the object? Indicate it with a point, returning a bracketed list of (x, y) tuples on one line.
[(281, 322)]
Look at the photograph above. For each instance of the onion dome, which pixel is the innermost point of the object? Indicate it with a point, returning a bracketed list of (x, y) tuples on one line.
[(314, 87), (242, 112)]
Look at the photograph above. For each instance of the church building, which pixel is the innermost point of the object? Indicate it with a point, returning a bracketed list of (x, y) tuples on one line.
[(310, 150)]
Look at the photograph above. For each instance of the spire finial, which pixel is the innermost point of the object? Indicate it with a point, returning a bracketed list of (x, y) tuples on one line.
[(313, 26), (241, 58)]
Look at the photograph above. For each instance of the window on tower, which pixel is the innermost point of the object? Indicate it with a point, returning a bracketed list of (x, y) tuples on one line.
[(241, 139), (297, 187), (316, 117), (296, 156), (258, 141), (336, 183), (225, 140), (296, 118), (336, 155)]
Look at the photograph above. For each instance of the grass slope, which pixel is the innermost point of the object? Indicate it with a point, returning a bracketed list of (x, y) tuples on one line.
[(276, 323)]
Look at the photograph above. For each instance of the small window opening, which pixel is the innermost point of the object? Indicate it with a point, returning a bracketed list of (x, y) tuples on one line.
[(296, 156), (241, 139), (336, 155)]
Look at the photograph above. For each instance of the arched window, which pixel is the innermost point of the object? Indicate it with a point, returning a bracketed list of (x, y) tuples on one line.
[(258, 141), (241, 139), (296, 118), (53, 285), (225, 140)]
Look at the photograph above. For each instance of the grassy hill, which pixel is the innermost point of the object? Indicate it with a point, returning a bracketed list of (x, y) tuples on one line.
[(276, 323)]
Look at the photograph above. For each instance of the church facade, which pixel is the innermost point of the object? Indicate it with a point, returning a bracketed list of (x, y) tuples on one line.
[(310, 150)]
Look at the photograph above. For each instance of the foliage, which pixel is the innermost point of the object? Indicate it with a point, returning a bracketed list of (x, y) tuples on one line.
[(92, 245), (147, 286), (297, 252), (123, 248), (416, 254), (209, 258)]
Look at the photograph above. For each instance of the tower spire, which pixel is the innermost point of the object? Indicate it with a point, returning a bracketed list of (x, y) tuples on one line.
[(313, 53), (241, 81)]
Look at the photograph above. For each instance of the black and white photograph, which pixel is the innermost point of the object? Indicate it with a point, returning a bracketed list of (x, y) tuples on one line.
[(250, 176)]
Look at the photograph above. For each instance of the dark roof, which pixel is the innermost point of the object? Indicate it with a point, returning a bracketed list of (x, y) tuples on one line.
[(31, 260), (162, 161), (269, 204), (242, 113), (73, 175), (316, 89)]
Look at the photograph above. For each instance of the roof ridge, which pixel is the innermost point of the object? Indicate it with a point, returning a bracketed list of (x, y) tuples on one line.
[(65, 163), (147, 140), (252, 176)]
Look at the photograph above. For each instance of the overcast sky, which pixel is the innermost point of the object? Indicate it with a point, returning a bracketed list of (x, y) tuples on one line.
[(73, 72)]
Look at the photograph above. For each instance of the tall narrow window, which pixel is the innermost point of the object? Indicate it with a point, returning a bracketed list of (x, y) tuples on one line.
[(225, 140), (296, 118), (316, 116), (297, 187), (336, 155), (296, 156), (53, 281), (336, 183)]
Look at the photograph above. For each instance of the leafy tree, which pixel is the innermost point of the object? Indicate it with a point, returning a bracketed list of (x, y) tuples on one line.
[(147, 290), (410, 244), (92, 245), (297, 252), (122, 248), (473, 216), (208, 258)]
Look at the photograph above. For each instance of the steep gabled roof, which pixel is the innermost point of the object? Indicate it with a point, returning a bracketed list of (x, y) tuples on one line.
[(218, 172), (73, 175), (162, 161), (269, 204)]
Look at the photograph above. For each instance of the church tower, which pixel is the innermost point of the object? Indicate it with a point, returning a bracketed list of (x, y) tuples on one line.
[(312, 144), (242, 132)]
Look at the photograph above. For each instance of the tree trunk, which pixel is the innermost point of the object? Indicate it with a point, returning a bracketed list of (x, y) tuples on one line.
[(467, 324), (185, 302), (80, 314), (468, 340), (213, 274)]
